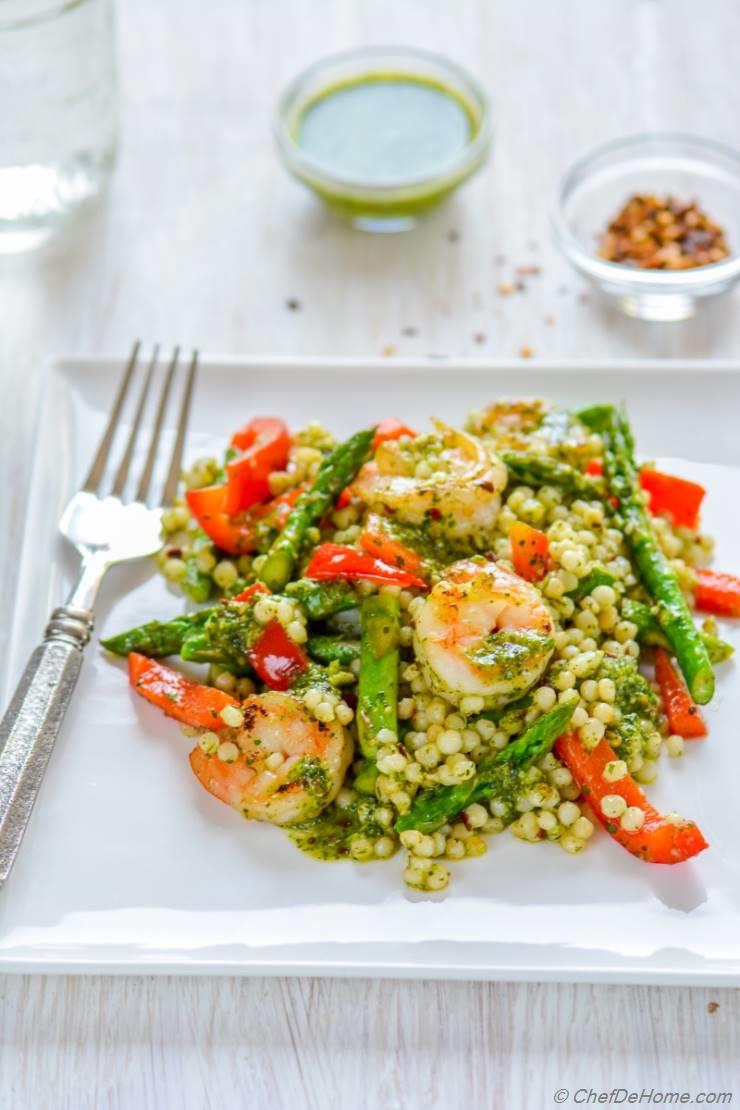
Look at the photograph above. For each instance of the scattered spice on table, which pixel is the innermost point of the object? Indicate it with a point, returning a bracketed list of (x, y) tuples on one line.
[(529, 271), (505, 288), (712, 1007), (453, 236), (549, 319), (479, 337), (293, 304), (526, 351), (409, 330), (663, 233), (388, 351)]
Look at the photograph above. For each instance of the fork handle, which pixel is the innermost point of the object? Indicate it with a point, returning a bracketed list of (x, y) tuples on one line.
[(33, 720)]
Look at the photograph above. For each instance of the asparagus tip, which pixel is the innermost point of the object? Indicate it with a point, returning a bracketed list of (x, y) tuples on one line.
[(277, 570)]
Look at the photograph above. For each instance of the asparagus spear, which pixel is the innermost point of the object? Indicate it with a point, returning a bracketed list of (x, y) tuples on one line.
[(377, 691), (201, 648), (499, 776), (542, 471), (335, 473), (322, 599), (158, 638), (366, 777), (327, 649), (650, 632), (673, 614), (598, 576)]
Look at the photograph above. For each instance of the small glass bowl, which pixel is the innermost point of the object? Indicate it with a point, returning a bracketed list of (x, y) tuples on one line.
[(596, 188), (395, 205)]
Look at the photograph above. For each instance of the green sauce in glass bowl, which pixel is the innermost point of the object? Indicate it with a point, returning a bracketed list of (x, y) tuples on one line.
[(383, 134)]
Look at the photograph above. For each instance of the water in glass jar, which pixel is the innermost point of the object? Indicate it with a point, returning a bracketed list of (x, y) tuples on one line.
[(57, 113)]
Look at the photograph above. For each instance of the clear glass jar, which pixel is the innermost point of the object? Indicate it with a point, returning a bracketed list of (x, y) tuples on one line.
[(58, 120)]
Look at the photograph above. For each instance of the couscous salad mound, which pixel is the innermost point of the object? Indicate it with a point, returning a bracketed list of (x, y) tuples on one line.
[(417, 640)]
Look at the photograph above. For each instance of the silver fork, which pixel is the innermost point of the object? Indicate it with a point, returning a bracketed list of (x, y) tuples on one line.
[(105, 529)]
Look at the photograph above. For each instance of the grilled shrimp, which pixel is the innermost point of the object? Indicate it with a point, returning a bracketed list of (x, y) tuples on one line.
[(534, 426), (448, 480), (484, 631), (510, 423), (282, 766)]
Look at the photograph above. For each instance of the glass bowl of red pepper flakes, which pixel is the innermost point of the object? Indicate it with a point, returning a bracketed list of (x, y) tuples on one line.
[(687, 173)]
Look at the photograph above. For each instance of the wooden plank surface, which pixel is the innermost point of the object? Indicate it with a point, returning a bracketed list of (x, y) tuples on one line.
[(202, 239)]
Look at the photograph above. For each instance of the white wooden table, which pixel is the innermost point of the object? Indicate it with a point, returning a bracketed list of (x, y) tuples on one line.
[(202, 240)]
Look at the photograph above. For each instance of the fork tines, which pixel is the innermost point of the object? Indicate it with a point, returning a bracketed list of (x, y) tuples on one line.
[(116, 485)]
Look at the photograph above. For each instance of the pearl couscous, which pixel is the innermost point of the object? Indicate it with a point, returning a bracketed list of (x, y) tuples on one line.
[(417, 641)]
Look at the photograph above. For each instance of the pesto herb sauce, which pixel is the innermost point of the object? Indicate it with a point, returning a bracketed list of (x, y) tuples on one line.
[(507, 651), (231, 633), (638, 706), (330, 835), (384, 129), (437, 551)]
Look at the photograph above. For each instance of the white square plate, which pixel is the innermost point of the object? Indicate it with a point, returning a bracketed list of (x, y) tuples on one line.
[(129, 866)]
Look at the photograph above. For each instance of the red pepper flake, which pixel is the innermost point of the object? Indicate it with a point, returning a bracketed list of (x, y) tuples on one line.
[(662, 233)]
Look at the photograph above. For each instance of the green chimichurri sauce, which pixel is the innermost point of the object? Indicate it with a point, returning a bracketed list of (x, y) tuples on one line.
[(386, 130)]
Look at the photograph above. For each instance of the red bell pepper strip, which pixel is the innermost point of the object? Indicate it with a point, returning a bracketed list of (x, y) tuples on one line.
[(677, 498), (684, 715), (659, 840), (208, 506), (173, 693), (276, 658), (717, 593), (377, 541), (249, 593), (529, 551), (332, 560), (391, 428), (265, 443), (235, 535), (262, 427), (674, 497)]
